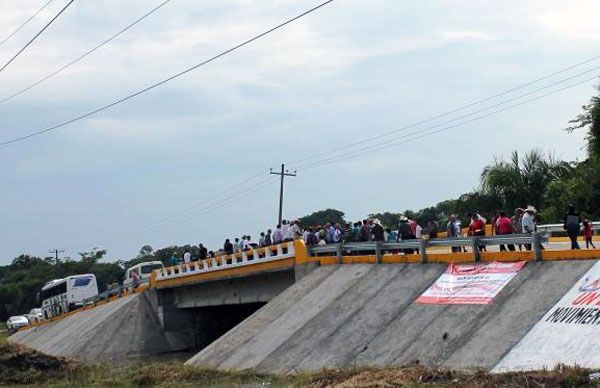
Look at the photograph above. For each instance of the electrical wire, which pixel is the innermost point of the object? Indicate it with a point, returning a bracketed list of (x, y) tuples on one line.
[(87, 53), (190, 216), (177, 75), (420, 136), (447, 113), (36, 36), (512, 99), (25, 23)]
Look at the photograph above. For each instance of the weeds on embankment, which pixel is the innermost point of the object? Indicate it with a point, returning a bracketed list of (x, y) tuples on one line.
[(22, 366)]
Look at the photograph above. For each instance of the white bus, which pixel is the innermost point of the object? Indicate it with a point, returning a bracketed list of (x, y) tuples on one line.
[(62, 295), (140, 273)]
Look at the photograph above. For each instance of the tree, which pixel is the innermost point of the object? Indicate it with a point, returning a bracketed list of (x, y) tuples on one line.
[(146, 250), (322, 217), (522, 181), (589, 120)]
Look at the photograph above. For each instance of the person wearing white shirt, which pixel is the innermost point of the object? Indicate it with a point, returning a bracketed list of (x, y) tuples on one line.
[(293, 231), (187, 257), (285, 229), (528, 223), (277, 235)]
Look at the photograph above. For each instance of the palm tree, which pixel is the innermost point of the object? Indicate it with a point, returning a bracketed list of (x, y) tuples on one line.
[(522, 181)]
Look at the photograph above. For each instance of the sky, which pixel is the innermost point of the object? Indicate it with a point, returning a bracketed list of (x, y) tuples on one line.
[(189, 162)]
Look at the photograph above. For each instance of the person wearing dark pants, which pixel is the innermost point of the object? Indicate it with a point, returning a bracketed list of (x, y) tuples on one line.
[(572, 224)]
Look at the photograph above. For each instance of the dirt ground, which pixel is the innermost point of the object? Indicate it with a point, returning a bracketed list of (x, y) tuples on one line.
[(22, 366)]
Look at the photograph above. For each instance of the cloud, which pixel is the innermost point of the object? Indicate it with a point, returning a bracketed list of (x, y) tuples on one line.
[(465, 35), (575, 21)]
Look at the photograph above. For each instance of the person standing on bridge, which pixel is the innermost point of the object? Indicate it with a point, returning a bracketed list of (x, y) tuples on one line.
[(187, 256), (453, 230), (517, 224), (405, 233), (228, 247), (588, 232), (477, 228), (377, 231), (202, 252), (572, 224), (277, 235), (433, 228), (528, 223), (504, 226), (365, 231), (268, 238)]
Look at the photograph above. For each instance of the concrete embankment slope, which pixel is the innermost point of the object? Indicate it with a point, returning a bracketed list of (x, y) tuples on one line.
[(119, 330), (363, 314)]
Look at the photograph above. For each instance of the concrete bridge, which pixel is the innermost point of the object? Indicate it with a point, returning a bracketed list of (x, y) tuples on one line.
[(281, 309)]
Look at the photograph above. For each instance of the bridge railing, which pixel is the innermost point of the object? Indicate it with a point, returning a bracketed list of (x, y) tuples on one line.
[(281, 251), (378, 248), (559, 228)]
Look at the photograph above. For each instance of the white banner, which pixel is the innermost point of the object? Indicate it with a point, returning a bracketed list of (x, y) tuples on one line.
[(568, 334), (475, 283)]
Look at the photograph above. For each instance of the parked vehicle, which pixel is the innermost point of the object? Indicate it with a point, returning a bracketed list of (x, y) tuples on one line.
[(16, 322), (35, 315), (140, 273), (60, 296)]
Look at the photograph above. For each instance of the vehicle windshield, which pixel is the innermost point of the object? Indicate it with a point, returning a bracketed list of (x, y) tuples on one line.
[(146, 269), (82, 282)]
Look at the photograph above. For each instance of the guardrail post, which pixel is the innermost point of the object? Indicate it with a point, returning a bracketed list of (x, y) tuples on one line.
[(422, 247), (536, 244), (475, 246), (338, 250), (378, 255)]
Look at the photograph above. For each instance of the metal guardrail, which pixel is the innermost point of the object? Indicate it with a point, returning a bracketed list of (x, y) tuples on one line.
[(550, 228), (281, 251), (378, 248)]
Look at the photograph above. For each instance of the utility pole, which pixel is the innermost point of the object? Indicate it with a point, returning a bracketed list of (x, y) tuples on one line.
[(56, 252), (283, 174)]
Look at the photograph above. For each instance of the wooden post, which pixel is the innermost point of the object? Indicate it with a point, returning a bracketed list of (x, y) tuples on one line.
[(422, 249), (536, 245), (475, 246)]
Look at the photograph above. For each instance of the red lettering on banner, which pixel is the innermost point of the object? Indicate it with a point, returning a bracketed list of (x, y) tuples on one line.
[(585, 298)]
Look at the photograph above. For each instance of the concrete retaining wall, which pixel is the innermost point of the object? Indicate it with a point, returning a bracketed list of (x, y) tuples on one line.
[(341, 316), (124, 329)]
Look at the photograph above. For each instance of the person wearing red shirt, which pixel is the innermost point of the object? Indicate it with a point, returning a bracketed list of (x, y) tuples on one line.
[(477, 228), (504, 226), (588, 232)]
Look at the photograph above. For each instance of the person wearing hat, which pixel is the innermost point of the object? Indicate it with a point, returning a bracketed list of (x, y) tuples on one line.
[(405, 233), (377, 231), (528, 223)]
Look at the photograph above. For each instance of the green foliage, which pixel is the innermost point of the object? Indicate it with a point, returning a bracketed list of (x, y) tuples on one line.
[(21, 281), (589, 120), (322, 217), (522, 181)]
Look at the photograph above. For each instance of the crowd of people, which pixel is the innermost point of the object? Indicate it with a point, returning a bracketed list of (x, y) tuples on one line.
[(523, 221)]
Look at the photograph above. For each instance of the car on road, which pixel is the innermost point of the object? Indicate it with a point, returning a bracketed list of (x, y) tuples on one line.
[(35, 315), (16, 322)]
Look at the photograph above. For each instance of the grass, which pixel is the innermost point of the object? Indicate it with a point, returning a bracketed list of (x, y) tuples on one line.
[(22, 366), (3, 333)]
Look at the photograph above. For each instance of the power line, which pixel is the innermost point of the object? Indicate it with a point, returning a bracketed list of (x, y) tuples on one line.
[(448, 113), (36, 35), (87, 53), (181, 214), (419, 136), (205, 62), (512, 99), (194, 214), (25, 22)]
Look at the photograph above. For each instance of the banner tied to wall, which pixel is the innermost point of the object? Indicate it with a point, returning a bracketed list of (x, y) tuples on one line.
[(475, 283)]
